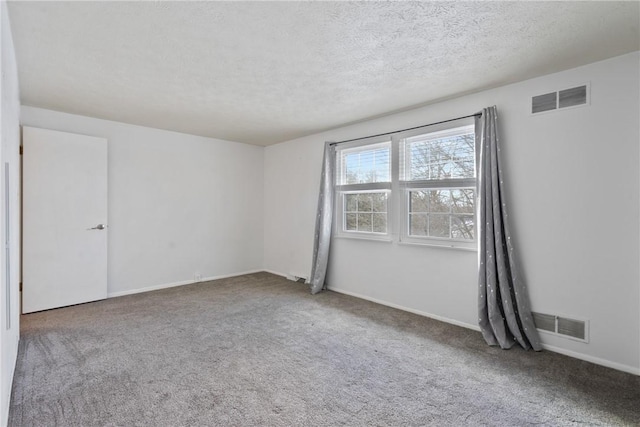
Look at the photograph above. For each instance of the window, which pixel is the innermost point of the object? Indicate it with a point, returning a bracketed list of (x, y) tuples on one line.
[(366, 212), (438, 174), (425, 180), (442, 213), (441, 155), (363, 186), (364, 165)]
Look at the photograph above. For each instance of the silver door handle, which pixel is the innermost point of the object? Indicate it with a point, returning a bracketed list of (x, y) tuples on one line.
[(98, 227)]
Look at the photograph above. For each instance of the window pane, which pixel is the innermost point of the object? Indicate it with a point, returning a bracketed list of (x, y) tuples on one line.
[(463, 167), (439, 225), (366, 165), (442, 213), (365, 211), (364, 203), (379, 222), (351, 222), (381, 165), (462, 227), (419, 201), (446, 157), (440, 200), (365, 222), (379, 202), (351, 169), (462, 201), (418, 225), (419, 161), (351, 202)]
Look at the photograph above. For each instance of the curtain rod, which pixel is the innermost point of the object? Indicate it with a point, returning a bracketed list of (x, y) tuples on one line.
[(404, 130)]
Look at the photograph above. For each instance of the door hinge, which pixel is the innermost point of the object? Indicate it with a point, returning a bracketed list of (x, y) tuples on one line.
[(21, 150), (20, 286)]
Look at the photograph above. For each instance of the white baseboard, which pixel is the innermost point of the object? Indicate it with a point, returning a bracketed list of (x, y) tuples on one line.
[(410, 310), (276, 273), (173, 284), (575, 355), (596, 360)]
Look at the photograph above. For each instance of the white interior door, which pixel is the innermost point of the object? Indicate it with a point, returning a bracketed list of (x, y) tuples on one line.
[(64, 219)]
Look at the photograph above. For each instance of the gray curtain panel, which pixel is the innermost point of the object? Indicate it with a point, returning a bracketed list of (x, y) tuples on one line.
[(324, 221), (504, 312)]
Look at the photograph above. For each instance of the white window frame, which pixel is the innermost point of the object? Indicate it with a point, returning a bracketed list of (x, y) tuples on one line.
[(398, 189), (362, 234), (435, 184), (406, 237), (374, 187)]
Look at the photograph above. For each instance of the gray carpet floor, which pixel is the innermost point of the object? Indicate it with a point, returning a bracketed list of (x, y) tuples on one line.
[(258, 350)]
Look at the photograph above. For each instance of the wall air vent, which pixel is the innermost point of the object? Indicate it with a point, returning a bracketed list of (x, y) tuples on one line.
[(545, 322), (571, 328), (562, 326), (572, 97), (545, 102), (565, 98)]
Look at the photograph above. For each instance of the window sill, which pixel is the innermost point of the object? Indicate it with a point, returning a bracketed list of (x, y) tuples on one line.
[(367, 237), (451, 246)]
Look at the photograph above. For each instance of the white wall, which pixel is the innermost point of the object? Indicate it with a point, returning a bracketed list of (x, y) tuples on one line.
[(178, 204), (10, 135), (573, 191)]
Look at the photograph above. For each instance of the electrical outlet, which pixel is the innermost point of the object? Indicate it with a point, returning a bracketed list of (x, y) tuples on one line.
[(197, 277)]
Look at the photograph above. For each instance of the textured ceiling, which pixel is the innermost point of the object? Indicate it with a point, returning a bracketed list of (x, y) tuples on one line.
[(266, 72)]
